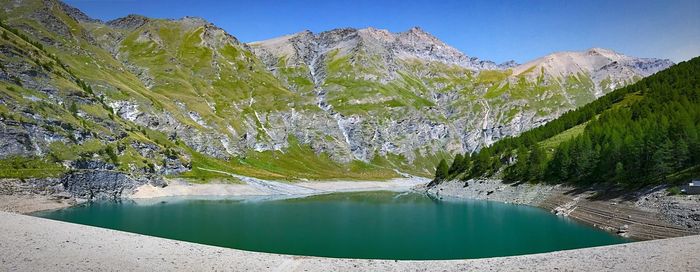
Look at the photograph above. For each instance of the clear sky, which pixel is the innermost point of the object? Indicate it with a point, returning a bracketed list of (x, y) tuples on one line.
[(492, 30)]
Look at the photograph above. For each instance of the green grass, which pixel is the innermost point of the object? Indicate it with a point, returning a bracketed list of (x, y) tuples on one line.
[(296, 163), (198, 175), (21, 168), (493, 76), (301, 162), (422, 165), (550, 144)]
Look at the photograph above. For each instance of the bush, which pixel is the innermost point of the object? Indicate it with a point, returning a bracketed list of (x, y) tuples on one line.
[(674, 190)]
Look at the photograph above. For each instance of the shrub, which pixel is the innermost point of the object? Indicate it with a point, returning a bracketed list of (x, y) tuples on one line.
[(674, 190)]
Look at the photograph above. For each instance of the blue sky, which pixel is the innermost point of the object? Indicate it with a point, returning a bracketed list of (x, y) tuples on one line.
[(493, 30)]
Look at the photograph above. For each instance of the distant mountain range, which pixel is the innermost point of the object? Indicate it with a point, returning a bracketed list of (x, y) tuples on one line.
[(157, 96)]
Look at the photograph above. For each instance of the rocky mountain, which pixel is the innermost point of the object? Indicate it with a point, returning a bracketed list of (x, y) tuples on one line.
[(160, 97), (411, 83), (608, 69)]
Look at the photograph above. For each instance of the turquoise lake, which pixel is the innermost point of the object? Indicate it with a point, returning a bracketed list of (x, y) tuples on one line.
[(383, 225)]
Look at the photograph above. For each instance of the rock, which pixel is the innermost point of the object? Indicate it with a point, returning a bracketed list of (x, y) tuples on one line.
[(623, 229), (131, 21), (62, 195), (92, 165), (98, 184)]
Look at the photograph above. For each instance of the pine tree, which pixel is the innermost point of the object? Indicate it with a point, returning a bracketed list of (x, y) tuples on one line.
[(681, 153), (663, 160), (482, 163), (442, 170), (536, 164), (441, 173), (518, 170), (466, 162), (619, 172), (456, 166)]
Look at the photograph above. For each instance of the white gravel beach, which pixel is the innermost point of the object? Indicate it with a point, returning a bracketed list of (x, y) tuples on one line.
[(35, 244), (257, 187)]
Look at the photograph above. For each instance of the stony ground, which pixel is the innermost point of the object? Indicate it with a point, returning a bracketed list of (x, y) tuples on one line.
[(490, 189), (258, 187), (32, 202), (24, 197), (646, 214), (36, 244), (682, 210)]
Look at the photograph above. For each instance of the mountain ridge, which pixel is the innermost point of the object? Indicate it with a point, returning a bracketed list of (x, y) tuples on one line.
[(354, 102)]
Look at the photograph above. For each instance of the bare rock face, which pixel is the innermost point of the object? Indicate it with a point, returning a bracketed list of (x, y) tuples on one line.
[(98, 184), (76, 14), (131, 21), (16, 141)]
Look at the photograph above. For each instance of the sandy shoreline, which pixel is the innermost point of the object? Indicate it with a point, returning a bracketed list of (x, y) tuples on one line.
[(29, 202), (35, 244), (180, 188)]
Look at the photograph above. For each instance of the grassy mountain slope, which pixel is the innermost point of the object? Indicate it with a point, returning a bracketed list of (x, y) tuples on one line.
[(155, 97)]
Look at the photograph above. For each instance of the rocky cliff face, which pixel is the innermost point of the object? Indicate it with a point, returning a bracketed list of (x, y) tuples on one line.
[(155, 97), (398, 93)]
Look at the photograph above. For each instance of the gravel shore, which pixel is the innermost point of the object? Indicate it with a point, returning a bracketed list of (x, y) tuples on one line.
[(28, 201), (266, 188), (641, 215), (36, 244)]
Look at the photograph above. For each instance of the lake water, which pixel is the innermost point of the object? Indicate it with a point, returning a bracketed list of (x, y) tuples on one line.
[(385, 225)]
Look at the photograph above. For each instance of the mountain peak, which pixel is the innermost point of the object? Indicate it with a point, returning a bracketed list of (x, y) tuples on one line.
[(415, 43), (416, 29), (419, 33), (378, 34), (194, 20), (508, 64), (75, 13), (600, 63), (130, 21), (607, 53), (600, 50)]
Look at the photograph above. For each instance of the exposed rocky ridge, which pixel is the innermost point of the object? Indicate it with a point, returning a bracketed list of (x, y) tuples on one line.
[(414, 43), (75, 13), (379, 56), (607, 69), (162, 86), (130, 21)]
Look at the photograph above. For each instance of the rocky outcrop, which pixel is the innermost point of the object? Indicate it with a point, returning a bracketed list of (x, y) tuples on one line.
[(76, 14), (98, 184), (15, 141), (80, 184), (131, 21)]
